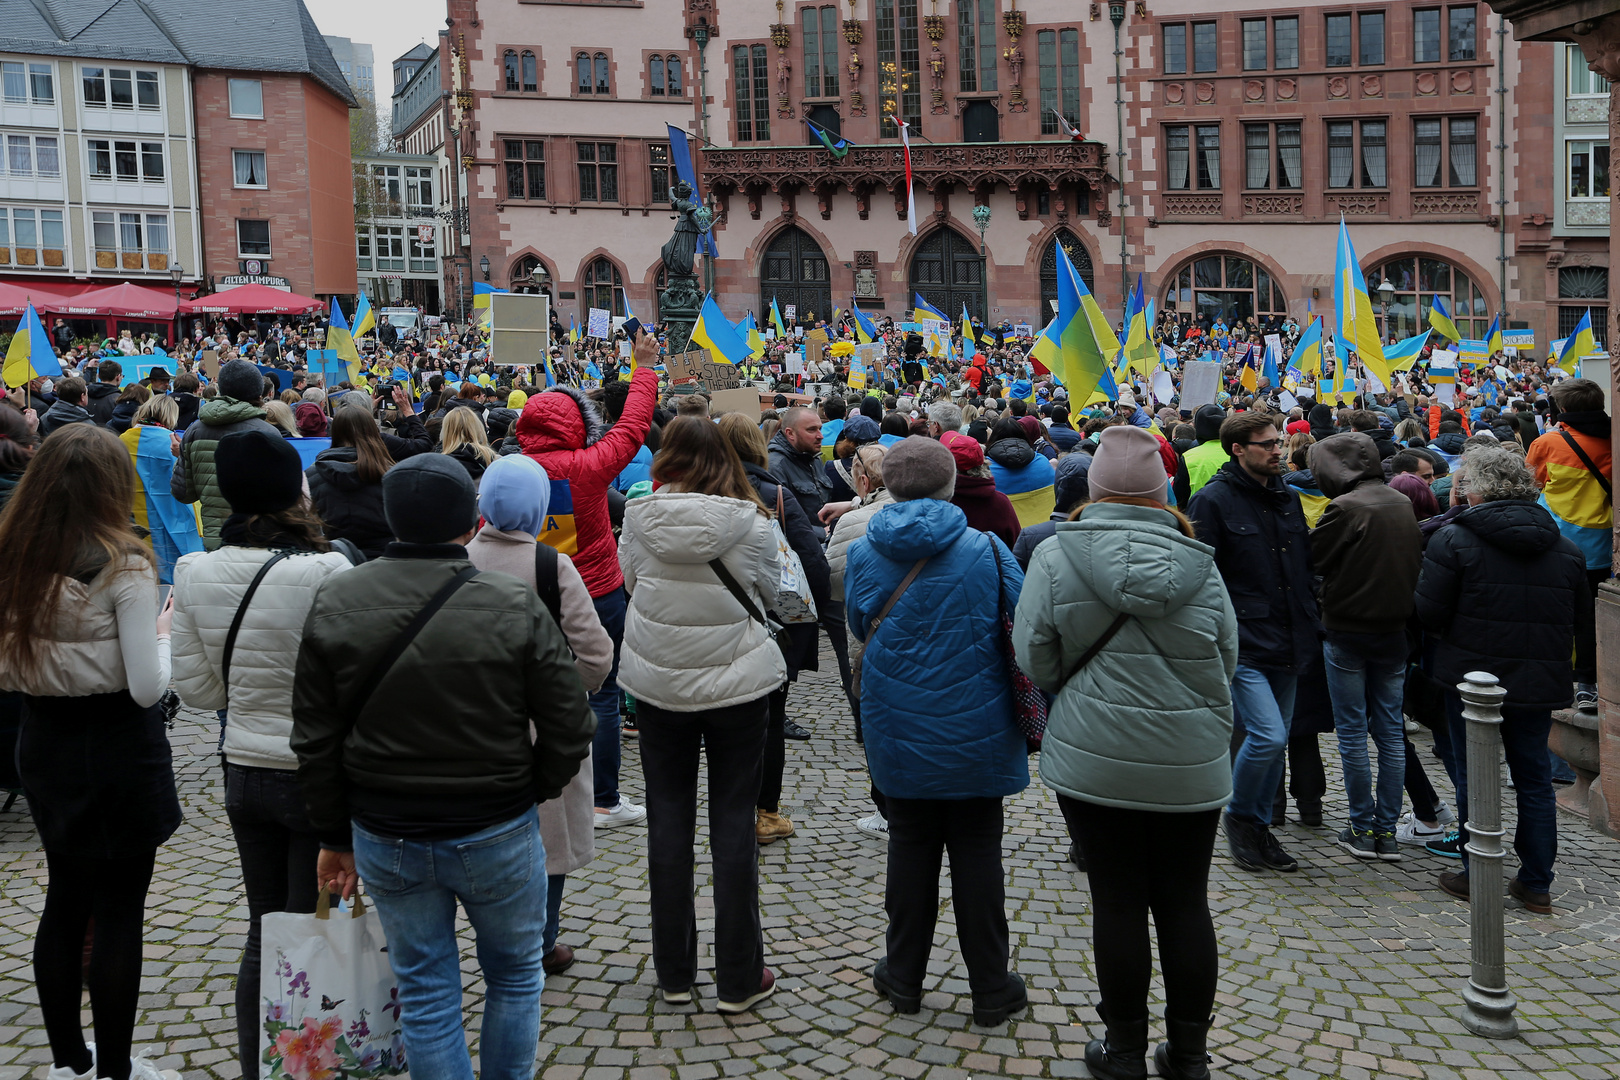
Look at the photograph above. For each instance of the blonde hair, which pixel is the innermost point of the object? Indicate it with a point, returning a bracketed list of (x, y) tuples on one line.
[(280, 414), (867, 461), (462, 427), (160, 410)]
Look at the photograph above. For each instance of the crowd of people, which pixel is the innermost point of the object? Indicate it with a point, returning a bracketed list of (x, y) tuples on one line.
[(1167, 606)]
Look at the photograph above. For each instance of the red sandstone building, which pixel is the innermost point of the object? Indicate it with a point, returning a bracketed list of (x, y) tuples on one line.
[(1246, 135)]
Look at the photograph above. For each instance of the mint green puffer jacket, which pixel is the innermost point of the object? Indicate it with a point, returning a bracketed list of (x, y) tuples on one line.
[(1146, 724)]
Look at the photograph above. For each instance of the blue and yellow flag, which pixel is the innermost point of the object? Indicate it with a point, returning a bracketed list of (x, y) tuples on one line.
[(1493, 336), (1084, 338), (30, 354), (865, 330), (573, 329), (969, 331), (1581, 343), (1403, 354), (776, 319), (1307, 356), (750, 331), (1139, 352), (1440, 319), (1357, 330), (341, 341), (713, 332), (364, 320), (924, 311)]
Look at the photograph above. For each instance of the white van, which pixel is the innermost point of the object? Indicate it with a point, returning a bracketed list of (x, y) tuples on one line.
[(402, 319)]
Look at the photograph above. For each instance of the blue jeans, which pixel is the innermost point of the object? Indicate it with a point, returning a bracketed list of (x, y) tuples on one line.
[(1524, 744), (1263, 699), (499, 875), (610, 608), (1366, 676), (554, 891)]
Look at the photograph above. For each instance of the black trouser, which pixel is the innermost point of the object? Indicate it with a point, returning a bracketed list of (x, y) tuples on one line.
[(770, 781), (278, 848), (920, 832), (1586, 641), (733, 739), (832, 621), (1126, 885), (113, 891), (1425, 800)]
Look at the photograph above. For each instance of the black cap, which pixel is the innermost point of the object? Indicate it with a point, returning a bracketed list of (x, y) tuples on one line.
[(258, 473)]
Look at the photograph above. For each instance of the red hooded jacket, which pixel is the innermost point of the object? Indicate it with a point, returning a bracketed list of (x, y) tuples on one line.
[(562, 430)]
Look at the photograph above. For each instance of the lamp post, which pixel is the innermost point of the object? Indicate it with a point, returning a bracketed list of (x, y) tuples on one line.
[(483, 264), (176, 272), (1116, 15), (981, 221), (1386, 293)]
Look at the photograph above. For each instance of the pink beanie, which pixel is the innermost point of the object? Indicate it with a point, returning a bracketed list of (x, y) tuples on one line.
[(1127, 464)]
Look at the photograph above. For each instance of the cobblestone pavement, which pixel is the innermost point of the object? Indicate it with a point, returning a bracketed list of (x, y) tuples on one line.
[(1345, 969)]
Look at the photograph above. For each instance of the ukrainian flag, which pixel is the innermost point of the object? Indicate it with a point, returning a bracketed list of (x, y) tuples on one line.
[(1248, 377), (573, 329), (1085, 340), (1357, 329), (713, 332), (482, 291), (924, 311), (969, 332), (559, 529), (750, 330), (776, 319), (1403, 354), (1029, 488), (1578, 345), (173, 528), (1575, 499), (364, 320), (341, 341), (1493, 336), (865, 330), (30, 354), (1307, 355), (1139, 351), (1440, 319)]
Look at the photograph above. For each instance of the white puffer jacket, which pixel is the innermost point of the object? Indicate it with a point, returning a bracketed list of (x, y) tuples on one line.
[(208, 588), (688, 643), (849, 528)]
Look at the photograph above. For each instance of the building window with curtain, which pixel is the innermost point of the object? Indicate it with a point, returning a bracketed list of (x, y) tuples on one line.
[(525, 168), (1257, 155), (976, 41), (1206, 55), (1262, 169), (1445, 152), (751, 93), (1581, 81), (1343, 154), (598, 171), (1372, 37), (249, 168), (1209, 156), (1587, 175), (1175, 48), (1188, 166), (1176, 157)]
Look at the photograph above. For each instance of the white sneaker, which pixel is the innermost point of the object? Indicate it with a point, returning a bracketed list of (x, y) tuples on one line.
[(626, 813), (1409, 830), (876, 826), (62, 1072), (142, 1069), (1443, 814)]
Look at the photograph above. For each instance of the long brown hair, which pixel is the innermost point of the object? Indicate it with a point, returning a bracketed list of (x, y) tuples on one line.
[(355, 427), (68, 517), (695, 457), (1183, 522), (744, 437), (17, 443)]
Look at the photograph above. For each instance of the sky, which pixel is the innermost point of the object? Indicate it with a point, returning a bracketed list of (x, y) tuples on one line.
[(390, 27)]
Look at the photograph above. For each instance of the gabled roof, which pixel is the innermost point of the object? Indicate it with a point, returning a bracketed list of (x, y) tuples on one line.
[(264, 35)]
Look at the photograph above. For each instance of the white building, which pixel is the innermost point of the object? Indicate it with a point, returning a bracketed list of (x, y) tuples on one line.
[(397, 245)]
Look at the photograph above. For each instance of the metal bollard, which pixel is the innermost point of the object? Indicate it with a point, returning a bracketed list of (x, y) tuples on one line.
[(1487, 1003)]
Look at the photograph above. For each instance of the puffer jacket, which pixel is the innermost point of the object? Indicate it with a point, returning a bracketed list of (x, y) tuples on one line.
[(193, 480), (846, 530), (1506, 592), (123, 415), (1025, 476), (1263, 553), (208, 590), (1366, 546), (1449, 446), (803, 474), (351, 508), (688, 644), (936, 701), (1147, 724), (562, 430)]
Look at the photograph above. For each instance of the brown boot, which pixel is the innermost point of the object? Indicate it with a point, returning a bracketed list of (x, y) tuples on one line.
[(770, 826)]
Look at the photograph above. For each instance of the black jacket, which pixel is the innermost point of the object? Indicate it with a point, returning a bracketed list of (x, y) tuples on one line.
[(351, 508), (189, 404), (122, 416), (1062, 436), (412, 438), (60, 415), (1366, 545), (442, 748), (805, 540), (99, 400), (1506, 593), (1263, 552), (801, 471)]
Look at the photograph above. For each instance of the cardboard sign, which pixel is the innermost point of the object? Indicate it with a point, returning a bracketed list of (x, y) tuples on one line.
[(743, 400), (208, 360), (696, 365), (1200, 379), (813, 349)]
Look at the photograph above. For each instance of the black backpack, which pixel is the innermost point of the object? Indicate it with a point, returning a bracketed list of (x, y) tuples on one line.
[(546, 582)]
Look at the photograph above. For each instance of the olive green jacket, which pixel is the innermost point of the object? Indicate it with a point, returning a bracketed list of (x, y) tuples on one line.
[(193, 478)]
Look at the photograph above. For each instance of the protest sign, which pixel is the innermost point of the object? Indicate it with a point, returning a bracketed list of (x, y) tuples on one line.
[(697, 366), (598, 323), (208, 360), (1472, 351), (789, 312), (743, 400), (795, 363), (1200, 379)]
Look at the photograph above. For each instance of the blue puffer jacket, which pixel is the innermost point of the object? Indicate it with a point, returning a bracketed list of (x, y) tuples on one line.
[(640, 468), (936, 703)]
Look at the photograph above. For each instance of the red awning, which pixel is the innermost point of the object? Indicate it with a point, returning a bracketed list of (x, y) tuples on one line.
[(251, 300), (13, 298), (124, 301)]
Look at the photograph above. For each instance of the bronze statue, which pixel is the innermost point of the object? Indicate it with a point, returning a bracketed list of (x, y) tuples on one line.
[(680, 250)]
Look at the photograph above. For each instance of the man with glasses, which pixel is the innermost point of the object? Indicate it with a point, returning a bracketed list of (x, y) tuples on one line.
[(1256, 526)]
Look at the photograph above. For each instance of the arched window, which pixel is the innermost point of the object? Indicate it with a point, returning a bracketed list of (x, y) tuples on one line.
[(522, 269), (531, 74), (510, 62), (603, 287), (1049, 264), (582, 67), (674, 63), (601, 73), (795, 271), (1418, 280), (948, 272), (1228, 287), (656, 75)]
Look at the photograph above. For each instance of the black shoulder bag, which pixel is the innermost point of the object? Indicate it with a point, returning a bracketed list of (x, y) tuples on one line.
[(397, 648), (546, 581), (776, 630), (1608, 490)]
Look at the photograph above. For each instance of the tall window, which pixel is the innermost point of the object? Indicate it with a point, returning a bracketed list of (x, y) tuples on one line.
[(362, 247), (1342, 157), (249, 168), (1059, 55), (899, 64), (418, 190), (582, 72), (390, 247), (1254, 44), (423, 252), (658, 157), (1338, 51), (751, 93), (25, 83), (509, 62), (30, 237), (1372, 37), (531, 73), (1223, 286), (130, 241), (1426, 36), (525, 168), (1445, 152), (1205, 47), (820, 51), (29, 156), (1193, 166), (1418, 280), (672, 72), (591, 73), (1582, 284), (976, 38), (1460, 37), (1209, 155), (603, 287), (1588, 169), (1258, 170), (1285, 42), (1580, 80), (598, 171), (390, 192), (1175, 48), (1464, 154), (655, 76)]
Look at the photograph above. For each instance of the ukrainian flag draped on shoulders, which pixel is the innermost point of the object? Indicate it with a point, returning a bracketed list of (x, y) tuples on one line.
[(1026, 477), (1571, 493), (173, 528)]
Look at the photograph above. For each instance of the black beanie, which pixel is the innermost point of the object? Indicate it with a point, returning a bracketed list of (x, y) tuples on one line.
[(429, 499), (258, 473)]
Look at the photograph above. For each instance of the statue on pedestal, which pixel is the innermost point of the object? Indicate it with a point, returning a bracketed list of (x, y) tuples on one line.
[(679, 303)]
